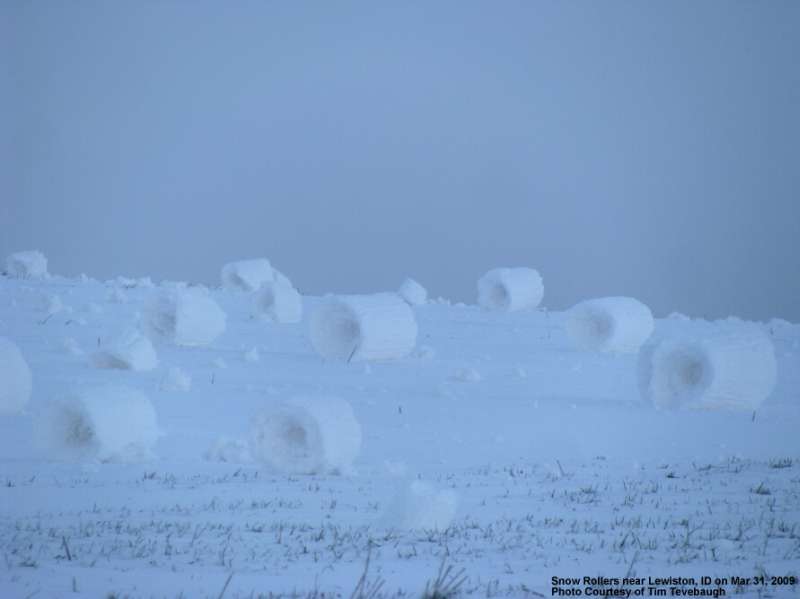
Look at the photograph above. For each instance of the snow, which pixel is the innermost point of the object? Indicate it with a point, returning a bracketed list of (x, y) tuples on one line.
[(421, 506), (247, 275), (15, 378), (414, 293), (363, 327), (731, 368), (109, 423), (510, 289), (27, 265), (176, 379), (307, 436), (553, 463), (279, 301), (188, 317), (129, 351), (610, 324)]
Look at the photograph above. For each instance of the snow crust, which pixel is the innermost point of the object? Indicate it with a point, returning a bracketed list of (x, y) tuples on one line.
[(363, 327), (510, 289), (610, 324), (309, 435)]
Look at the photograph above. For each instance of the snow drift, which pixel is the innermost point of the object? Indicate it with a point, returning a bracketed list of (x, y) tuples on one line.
[(421, 506), (247, 275), (413, 293), (363, 327), (730, 368), (610, 324), (185, 316), (510, 289), (306, 436), (27, 265), (15, 378), (129, 351), (106, 424), (279, 301)]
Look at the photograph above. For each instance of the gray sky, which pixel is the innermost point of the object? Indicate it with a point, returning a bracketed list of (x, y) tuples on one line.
[(632, 148)]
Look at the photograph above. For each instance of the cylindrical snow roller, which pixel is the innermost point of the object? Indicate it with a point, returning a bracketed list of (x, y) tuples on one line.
[(15, 378), (280, 301), (185, 317), (610, 324), (734, 368), (414, 293), (363, 327), (247, 275), (306, 436), (510, 289), (105, 423)]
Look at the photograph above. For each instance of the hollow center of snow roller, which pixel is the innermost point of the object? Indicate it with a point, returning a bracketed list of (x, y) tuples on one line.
[(296, 438), (499, 296), (77, 430), (344, 333), (688, 373)]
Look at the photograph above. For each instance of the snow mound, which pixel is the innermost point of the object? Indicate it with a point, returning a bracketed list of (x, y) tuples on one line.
[(247, 275), (27, 265), (129, 351), (610, 324), (510, 289), (279, 301), (307, 436), (15, 378), (228, 450), (109, 424), (732, 367), (413, 293), (465, 375), (421, 506), (176, 379), (363, 327), (187, 316)]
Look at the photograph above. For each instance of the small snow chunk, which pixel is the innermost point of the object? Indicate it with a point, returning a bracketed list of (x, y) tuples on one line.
[(425, 352), (27, 265), (219, 363), (15, 378), (129, 351), (413, 293), (465, 375), (176, 379), (71, 347), (117, 296), (252, 355), (520, 372), (225, 449)]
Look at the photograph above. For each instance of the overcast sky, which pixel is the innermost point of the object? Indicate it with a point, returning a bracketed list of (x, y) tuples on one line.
[(649, 149)]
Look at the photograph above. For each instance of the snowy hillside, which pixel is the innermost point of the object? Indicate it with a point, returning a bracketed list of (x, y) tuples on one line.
[(157, 456)]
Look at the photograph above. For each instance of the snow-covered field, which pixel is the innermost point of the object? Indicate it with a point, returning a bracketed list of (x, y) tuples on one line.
[(496, 448)]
